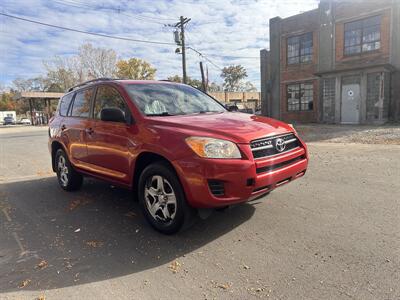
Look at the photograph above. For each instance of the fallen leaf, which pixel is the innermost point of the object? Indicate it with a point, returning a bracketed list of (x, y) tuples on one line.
[(95, 244), (174, 266), (42, 297), (130, 214), (77, 202), (224, 286), (67, 264), (24, 283), (42, 265)]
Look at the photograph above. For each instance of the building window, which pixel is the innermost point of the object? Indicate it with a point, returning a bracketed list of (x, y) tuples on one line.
[(300, 49), (300, 97), (362, 36)]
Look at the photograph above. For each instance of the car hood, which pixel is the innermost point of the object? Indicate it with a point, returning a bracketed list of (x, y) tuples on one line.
[(237, 127)]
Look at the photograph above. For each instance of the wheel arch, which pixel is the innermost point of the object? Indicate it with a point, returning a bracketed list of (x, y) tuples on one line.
[(146, 158)]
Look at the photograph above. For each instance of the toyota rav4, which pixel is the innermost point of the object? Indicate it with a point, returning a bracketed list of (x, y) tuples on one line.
[(178, 148)]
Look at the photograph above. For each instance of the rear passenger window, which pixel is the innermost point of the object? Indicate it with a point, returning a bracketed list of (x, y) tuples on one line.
[(81, 105), (108, 97), (64, 104)]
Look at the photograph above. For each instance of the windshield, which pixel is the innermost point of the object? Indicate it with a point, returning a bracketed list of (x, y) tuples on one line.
[(158, 99)]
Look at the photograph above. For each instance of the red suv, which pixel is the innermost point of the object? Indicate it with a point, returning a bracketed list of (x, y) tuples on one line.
[(177, 147)]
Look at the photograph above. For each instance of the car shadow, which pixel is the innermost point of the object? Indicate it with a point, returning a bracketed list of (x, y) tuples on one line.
[(52, 239)]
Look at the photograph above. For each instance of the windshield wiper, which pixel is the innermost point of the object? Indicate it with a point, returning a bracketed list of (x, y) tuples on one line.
[(206, 111), (165, 113)]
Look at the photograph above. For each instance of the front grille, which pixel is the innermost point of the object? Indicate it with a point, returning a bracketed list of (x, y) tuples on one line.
[(268, 146), (216, 187), (279, 165)]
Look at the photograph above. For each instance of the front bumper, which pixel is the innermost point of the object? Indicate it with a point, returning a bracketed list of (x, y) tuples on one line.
[(243, 179)]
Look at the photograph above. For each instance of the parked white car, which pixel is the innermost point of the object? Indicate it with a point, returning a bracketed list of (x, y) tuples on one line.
[(25, 121)]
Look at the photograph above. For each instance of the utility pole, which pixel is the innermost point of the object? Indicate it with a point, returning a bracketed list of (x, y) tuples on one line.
[(181, 25), (183, 50), (203, 79)]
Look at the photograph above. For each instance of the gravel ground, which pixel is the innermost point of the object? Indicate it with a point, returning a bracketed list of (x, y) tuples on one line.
[(333, 234), (363, 134)]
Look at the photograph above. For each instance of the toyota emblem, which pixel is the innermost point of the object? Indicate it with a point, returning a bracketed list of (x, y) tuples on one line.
[(280, 145)]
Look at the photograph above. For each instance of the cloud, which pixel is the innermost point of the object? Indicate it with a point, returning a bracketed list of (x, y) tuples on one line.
[(221, 29)]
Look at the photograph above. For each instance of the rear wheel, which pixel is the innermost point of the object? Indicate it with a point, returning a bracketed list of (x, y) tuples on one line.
[(68, 178), (162, 199)]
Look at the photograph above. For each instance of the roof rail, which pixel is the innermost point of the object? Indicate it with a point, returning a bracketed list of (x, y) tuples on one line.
[(88, 82)]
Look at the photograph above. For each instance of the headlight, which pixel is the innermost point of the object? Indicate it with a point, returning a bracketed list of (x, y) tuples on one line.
[(213, 148), (291, 125)]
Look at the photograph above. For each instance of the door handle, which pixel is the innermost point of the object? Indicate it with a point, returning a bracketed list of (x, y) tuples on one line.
[(63, 127), (89, 130)]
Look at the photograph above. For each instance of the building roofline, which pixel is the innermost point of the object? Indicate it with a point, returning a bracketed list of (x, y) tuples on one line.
[(297, 15)]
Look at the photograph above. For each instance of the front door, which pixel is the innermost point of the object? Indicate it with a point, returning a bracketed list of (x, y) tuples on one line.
[(109, 143), (351, 103)]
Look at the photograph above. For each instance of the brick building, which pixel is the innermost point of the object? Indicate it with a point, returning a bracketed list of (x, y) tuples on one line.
[(339, 63)]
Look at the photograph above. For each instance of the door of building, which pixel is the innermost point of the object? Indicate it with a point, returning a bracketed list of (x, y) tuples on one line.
[(350, 102)]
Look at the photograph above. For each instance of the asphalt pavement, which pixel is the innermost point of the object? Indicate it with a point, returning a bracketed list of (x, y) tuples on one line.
[(333, 234)]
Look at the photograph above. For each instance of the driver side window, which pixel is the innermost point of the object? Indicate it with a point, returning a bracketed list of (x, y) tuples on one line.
[(108, 97)]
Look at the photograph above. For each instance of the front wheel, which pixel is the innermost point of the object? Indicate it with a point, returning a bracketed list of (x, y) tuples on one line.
[(163, 200), (68, 178)]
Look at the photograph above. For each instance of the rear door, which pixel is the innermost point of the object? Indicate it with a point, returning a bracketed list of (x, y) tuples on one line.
[(109, 143), (75, 125)]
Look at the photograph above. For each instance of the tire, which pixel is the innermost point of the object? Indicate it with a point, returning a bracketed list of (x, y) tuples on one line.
[(163, 200), (68, 178)]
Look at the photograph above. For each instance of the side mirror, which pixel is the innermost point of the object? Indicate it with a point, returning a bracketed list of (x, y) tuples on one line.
[(112, 115), (231, 107)]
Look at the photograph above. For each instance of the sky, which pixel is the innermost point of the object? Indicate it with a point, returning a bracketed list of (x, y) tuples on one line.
[(227, 32)]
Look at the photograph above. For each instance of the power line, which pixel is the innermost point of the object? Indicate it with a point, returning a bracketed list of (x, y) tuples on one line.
[(205, 57), (117, 10), (225, 56), (236, 57), (86, 32)]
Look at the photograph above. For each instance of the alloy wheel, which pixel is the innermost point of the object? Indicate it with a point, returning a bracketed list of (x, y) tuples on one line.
[(63, 170), (160, 199)]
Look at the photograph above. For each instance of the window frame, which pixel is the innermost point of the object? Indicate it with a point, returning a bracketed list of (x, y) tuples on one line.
[(71, 106), (300, 98), (128, 115), (362, 43), (299, 55)]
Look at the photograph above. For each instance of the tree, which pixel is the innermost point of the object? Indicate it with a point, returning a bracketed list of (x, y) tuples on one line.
[(6, 102), (135, 68), (97, 62), (249, 87), (192, 82), (89, 63), (233, 76), (214, 87), (32, 84), (62, 73)]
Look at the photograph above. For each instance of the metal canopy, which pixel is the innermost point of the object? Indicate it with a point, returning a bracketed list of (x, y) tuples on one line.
[(39, 96)]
